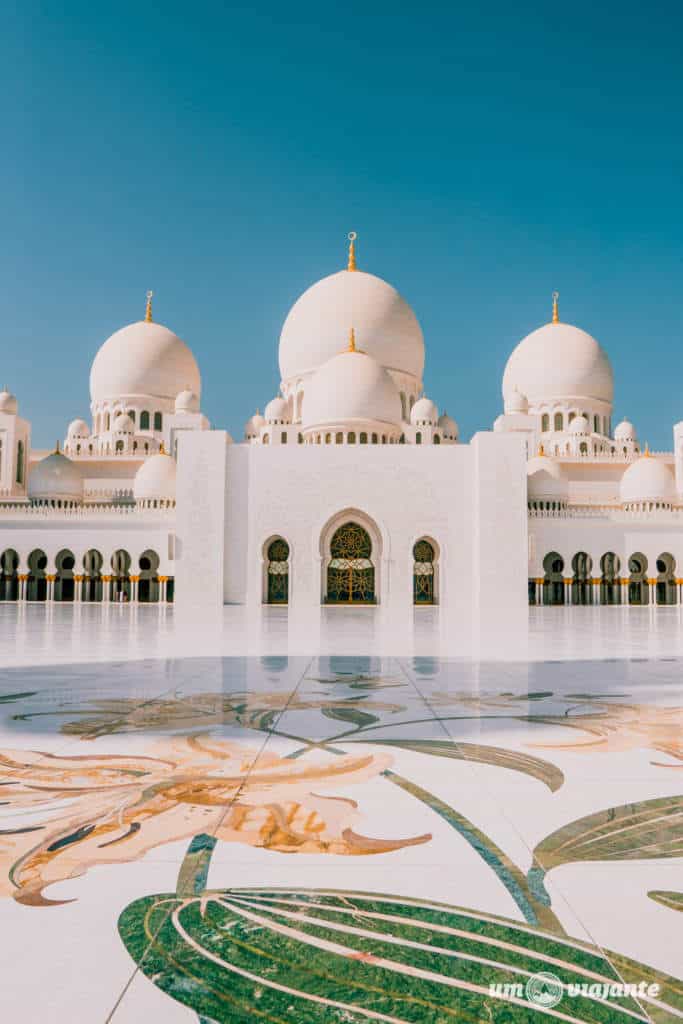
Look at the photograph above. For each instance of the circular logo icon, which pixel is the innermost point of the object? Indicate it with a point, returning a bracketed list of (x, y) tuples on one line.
[(544, 989)]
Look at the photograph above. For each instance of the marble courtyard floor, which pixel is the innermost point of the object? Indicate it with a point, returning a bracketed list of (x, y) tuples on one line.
[(243, 821)]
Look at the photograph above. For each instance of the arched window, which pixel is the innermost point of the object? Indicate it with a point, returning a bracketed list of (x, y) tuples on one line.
[(351, 437), (559, 421), (278, 572), (583, 448), (158, 421), (596, 424), (553, 580), (20, 462), (545, 422), (404, 411), (350, 572), (9, 575), (300, 438), (328, 438), (283, 437), (637, 579), (266, 439), (418, 437), (65, 585), (423, 572), (119, 446), (120, 588), (148, 584), (92, 579), (610, 591), (581, 581), (339, 437), (374, 438), (144, 420), (363, 438), (437, 439), (36, 584), (666, 590), (131, 413)]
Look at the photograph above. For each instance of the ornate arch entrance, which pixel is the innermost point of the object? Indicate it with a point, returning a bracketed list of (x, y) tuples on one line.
[(350, 570)]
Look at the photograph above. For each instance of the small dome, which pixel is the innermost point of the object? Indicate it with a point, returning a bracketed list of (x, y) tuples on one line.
[(625, 431), (8, 403), (559, 362), (448, 426), (123, 424), (515, 402), (317, 325), (424, 411), (187, 401), (579, 425), (144, 358), (78, 428), (155, 480), (351, 388), (277, 411), (57, 477), (252, 428), (647, 479), (545, 479)]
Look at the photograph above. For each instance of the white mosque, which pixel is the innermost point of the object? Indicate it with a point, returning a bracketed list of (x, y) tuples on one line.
[(352, 487)]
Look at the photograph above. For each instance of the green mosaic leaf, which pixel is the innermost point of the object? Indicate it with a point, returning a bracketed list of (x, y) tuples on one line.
[(320, 956), (645, 830), (515, 760)]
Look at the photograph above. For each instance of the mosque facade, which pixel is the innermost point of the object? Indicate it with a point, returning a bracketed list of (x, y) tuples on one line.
[(351, 488)]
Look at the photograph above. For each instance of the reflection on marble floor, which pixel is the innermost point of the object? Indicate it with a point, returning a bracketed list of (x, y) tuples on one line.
[(340, 838), (60, 633)]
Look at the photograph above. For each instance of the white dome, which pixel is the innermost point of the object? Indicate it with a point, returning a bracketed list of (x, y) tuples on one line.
[(144, 358), (448, 426), (545, 479), (277, 411), (515, 402), (318, 323), (78, 428), (647, 479), (123, 424), (8, 403), (625, 431), (424, 411), (559, 361), (55, 476), (351, 388), (579, 425), (186, 401), (155, 479), (252, 427)]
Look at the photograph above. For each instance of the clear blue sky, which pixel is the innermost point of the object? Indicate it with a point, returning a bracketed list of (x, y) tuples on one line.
[(219, 154)]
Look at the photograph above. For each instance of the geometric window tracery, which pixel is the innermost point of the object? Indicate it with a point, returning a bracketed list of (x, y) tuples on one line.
[(350, 572)]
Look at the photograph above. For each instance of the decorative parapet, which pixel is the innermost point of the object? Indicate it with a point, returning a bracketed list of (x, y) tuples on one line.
[(21, 510), (613, 512)]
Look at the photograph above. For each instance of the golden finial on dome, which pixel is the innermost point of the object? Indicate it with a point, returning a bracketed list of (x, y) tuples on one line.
[(647, 453), (57, 451), (352, 236), (352, 341), (556, 310), (148, 308)]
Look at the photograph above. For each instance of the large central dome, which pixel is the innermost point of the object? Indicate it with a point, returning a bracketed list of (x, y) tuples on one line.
[(559, 362), (144, 358), (318, 325)]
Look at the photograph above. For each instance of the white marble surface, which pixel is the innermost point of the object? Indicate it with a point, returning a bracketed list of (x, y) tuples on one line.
[(56, 633)]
